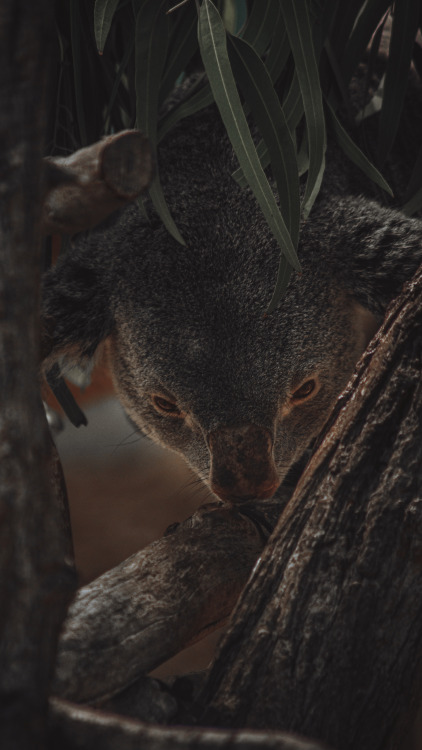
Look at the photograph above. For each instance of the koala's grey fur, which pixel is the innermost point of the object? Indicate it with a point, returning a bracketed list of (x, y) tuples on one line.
[(188, 322)]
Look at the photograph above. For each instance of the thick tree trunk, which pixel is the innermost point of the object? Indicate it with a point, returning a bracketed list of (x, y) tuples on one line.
[(35, 577), (326, 639)]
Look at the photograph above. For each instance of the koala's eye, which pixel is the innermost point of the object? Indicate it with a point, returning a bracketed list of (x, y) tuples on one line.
[(305, 390), (164, 406)]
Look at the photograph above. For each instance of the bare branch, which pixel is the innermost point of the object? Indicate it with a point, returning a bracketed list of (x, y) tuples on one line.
[(157, 602)]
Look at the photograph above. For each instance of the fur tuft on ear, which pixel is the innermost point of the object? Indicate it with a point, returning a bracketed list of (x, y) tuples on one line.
[(76, 309)]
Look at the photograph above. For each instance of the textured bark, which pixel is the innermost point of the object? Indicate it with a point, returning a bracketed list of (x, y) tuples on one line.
[(72, 727), (159, 601), (35, 579), (327, 636), (95, 181)]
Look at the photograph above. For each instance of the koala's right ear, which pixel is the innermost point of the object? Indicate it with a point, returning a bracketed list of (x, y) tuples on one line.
[(76, 312)]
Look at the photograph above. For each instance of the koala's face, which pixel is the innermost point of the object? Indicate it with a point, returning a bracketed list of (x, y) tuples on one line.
[(201, 370)]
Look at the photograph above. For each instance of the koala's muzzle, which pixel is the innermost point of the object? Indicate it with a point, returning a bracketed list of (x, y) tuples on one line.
[(242, 464)]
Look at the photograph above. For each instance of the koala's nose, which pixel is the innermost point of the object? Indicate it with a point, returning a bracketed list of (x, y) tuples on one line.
[(242, 464)]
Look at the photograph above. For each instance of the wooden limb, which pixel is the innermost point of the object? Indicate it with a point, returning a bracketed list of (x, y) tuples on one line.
[(74, 727), (35, 579), (157, 602), (327, 636), (95, 181)]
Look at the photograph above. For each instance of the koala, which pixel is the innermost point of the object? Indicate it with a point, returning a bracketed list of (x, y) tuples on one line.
[(197, 364)]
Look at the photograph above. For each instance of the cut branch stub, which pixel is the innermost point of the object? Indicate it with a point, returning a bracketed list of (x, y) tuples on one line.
[(326, 639), (157, 602), (95, 181)]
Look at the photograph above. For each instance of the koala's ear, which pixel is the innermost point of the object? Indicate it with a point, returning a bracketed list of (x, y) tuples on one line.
[(76, 313)]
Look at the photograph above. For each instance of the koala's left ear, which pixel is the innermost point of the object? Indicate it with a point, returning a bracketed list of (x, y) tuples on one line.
[(76, 312)]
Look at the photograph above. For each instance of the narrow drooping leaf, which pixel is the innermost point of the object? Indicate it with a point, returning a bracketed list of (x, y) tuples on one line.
[(279, 52), (355, 154), (118, 79), (301, 42), (264, 160), (403, 33), (182, 47), (151, 46), (190, 106), (212, 42), (415, 182), (343, 22), (365, 25), (283, 277), (104, 11), (414, 204), (255, 83), (75, 30), (261, 24)]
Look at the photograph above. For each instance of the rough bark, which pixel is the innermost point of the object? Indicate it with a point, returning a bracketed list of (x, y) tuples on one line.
[(87, 186), (35, 578), (74, 728), (159, 601), (327, 636)]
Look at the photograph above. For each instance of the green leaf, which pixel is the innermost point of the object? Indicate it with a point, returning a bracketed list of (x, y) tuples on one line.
[(157, 196), (403, 33), (301, 42), (255, 83), (366, 23), (75, 30), (212, 43), (264, 160), (279, 51), (415, 181), (261, 23), (355, 154), (119, 75), (183, 45), (151, 46), (104, 11), (414, 204), (197, 101), (283, 277)]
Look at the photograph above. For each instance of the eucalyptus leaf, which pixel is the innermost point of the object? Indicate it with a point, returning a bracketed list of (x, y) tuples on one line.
[(151, 45), (415, 182), (301, 42), (75, 30), (183, 45), (355, 154), (365, 25), (255, 83), (403, 33), (261, 24), (414, 204), (212, 42), (283, 277), (264, 159), (104, 11), (190, 106)]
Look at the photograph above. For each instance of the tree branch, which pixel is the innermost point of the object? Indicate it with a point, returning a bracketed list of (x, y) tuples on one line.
[(158, 602)]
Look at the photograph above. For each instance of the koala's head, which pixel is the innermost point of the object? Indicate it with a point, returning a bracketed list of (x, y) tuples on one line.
[(197, 364)]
